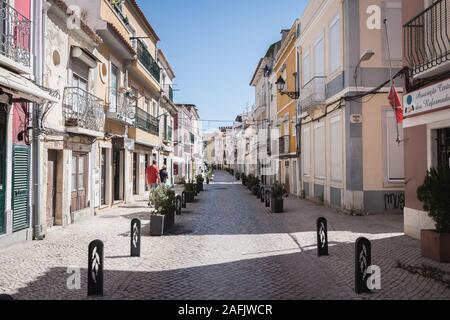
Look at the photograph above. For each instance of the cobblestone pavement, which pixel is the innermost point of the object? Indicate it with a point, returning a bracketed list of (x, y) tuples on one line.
[(226, 245)]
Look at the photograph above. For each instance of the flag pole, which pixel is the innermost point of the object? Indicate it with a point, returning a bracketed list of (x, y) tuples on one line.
[(391, 78)]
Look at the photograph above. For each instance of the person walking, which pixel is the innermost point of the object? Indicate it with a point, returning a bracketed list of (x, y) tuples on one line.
[(152, 174), (163, 175)]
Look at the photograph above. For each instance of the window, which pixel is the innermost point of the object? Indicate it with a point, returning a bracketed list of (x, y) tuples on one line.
[(443, 147), (306, 69), (319, 60), (319, 151), (395, 35), (335, 45), (79, 104), (155, 109), (394, 156), (306, 152), (336, 149), (147, 106), (114, 88)]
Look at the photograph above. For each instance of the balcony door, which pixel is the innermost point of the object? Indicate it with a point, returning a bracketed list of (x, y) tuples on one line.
[(79, 181), (114, 88), (80, 101)]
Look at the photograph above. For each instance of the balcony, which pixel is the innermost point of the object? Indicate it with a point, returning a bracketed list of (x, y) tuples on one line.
[(146, 122), (148, 61), (123, 109), (313, 95), (15, 41), (427, 41), (83, 112), (284, 145)]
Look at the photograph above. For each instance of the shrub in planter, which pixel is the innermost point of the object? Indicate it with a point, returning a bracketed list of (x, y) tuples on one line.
[(278, 191), (435, 195), (199, 178), (244, 179), (237, 176), (189, 189), (251, 182), (163, 219)]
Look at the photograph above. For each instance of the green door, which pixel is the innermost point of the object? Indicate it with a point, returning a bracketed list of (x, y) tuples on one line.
[(20, 191), (2, 167)]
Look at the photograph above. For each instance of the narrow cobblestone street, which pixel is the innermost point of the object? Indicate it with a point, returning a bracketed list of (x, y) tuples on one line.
[(226, 245)]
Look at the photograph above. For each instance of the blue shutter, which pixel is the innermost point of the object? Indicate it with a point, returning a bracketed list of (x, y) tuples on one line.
[(20, 196)]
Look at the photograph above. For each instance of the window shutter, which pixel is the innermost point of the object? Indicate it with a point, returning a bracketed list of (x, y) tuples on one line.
[(20, 196)]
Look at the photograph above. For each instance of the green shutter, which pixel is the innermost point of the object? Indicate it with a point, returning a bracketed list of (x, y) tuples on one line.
[(20, 196)]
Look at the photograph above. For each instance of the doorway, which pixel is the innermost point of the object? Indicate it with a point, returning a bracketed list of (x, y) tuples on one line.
[(287, 176), (135, 173), (117, 160), (52, 173), (2, 166), (79, 181), (103, 177)]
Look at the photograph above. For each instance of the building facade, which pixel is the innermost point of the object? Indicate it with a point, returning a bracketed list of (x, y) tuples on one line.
[(352, 156), (285, 67), (426, 103)]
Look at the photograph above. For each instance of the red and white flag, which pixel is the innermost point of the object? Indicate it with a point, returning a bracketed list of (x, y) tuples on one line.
[(396, 104)]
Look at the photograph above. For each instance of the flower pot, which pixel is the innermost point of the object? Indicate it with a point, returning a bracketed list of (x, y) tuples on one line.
[(435, 246), (262, 195), (189, 196), (156, 225), (277, 205), (200, 186)]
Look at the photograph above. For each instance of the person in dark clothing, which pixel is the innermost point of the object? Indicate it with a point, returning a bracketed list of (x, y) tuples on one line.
[(163, 175)]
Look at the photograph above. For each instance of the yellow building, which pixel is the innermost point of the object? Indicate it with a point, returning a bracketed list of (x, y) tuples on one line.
[(286, 70)]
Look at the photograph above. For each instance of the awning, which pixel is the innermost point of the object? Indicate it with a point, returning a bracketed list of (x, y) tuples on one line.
[(85, 56), (112, 37), (178, 160), (22, 88)]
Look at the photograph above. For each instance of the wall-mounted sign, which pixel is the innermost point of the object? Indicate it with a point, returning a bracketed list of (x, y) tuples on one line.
[(356, 118), (427, 99)]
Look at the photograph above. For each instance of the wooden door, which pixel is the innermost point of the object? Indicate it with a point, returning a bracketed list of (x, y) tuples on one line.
[(51, 187), (79, 182), (103, 177), (2, 166)]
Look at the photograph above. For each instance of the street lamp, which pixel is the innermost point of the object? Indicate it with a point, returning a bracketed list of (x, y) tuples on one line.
[(281, 86), (366, 56)]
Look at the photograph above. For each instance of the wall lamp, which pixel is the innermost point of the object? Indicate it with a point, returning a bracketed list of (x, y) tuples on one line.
[(366, 56), (281, 86)]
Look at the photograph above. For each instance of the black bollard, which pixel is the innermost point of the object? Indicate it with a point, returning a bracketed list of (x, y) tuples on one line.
[(267, 199), (183, 200), (322, 237), (363, 260), (262, 192), (135, 238), (95, 268), (178, 204)]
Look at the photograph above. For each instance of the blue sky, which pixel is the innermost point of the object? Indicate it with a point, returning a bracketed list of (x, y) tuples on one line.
[(214, 47)]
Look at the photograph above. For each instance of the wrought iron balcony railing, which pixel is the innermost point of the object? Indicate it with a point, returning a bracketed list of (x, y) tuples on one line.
[(426, 38), (148, 61), (146, 122), (284, 144), (15, 33), (83, 110), (123, 108), (313, 94)]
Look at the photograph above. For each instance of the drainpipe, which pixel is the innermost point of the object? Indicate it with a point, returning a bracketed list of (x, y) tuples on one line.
[(36, 145)]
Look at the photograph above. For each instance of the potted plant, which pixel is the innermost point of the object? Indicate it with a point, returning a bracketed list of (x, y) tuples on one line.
[(251, 182), (199, 178), (435, 195), (189, 190), (163, 218), (278, 191), (237, 176), (244, 179)]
